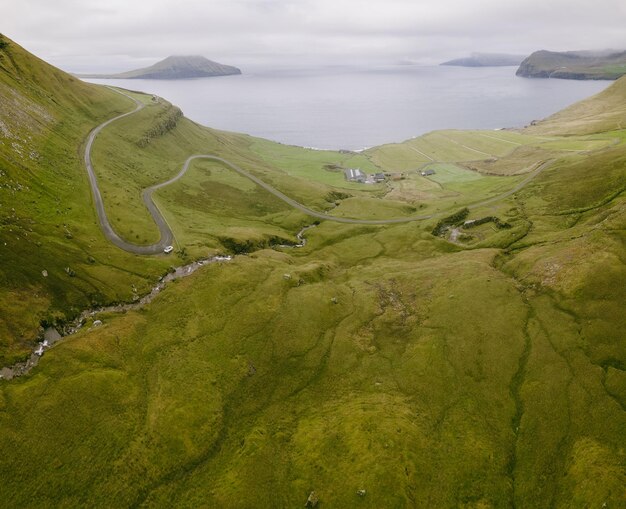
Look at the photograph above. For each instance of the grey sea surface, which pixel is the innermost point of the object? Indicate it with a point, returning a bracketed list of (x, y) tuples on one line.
[(355, 108)]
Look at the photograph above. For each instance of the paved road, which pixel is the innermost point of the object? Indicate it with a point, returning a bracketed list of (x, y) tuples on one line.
[(165, 231), (167, 236)]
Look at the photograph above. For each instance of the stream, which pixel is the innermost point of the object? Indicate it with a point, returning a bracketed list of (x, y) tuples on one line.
[(52, 335)]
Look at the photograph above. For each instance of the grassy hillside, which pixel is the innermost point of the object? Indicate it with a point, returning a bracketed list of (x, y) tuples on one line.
[(379, 366), (423, 373), (510, 152), (603, 112), (574, 65), (54, 261)]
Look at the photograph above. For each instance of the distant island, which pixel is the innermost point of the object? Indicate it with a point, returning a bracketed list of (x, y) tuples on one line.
[(486, 60), (574, 65), (172, 68)]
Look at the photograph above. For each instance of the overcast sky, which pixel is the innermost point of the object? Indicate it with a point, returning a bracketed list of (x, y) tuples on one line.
[(117, 35)]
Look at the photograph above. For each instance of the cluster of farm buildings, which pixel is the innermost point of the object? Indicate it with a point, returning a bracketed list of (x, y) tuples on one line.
[(356, 175)]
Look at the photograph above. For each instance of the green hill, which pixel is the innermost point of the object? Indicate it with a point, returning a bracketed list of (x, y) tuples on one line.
[(426, 364), (174, 68), (603, 112), (577, 65)]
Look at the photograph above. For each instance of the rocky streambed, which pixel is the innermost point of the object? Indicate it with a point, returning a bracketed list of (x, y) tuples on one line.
[(51, 335)]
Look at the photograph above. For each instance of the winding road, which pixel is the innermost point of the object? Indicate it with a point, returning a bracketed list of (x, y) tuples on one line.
[(166, 235)]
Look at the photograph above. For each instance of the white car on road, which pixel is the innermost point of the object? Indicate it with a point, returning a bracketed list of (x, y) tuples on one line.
[(168, 249)]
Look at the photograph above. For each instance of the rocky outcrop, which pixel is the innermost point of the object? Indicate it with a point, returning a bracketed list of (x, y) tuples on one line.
[(164, 123)]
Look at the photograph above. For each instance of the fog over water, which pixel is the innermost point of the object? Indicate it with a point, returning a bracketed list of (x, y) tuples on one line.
[(353, 108)]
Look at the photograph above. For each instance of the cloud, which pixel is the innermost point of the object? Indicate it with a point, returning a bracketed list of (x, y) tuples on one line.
[(111, 35)]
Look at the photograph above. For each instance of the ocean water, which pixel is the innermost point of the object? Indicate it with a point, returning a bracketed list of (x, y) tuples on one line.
[(354, 108)]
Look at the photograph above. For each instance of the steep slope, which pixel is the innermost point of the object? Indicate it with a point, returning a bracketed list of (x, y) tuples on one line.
[(53, 259), (573, 65), (603, 112), (176, 67)]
